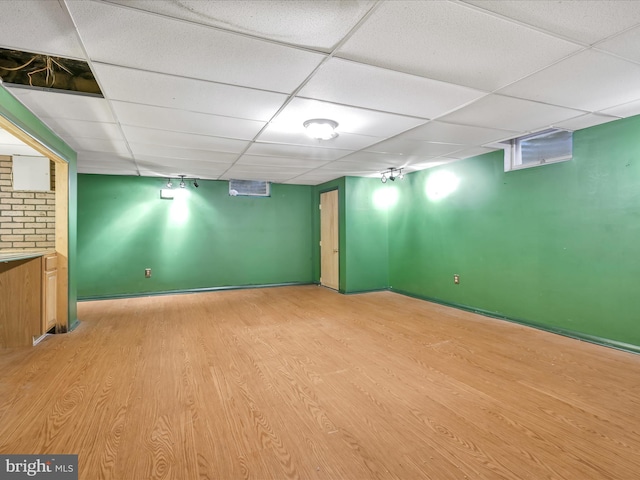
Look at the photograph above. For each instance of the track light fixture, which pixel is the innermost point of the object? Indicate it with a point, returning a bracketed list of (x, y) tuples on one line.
[(183, 182), (391, 174)]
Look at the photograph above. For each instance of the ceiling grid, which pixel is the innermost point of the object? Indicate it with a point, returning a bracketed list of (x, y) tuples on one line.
[(220, 89)]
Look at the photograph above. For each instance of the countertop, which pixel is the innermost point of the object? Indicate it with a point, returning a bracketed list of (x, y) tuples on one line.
[(6, 257)]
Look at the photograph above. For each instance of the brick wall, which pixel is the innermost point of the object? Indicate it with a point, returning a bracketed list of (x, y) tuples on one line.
[(27, 219)]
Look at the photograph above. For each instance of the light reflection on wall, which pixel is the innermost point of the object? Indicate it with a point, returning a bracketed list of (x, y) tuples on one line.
[(179, 210), (441, 184), (385, 197)]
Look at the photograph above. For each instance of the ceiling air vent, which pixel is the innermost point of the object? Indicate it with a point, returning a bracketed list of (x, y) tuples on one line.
[(252, 188)]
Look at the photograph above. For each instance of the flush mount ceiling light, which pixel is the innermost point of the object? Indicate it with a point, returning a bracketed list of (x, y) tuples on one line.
[(321, 128), (391, 174)]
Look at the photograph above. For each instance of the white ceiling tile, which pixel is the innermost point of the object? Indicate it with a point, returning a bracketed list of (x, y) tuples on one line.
[(189, 98), (454, 43), (168, 172), (183, 140), (10, 145), (471, 152), (313, 178), (309, 23), (345, 141), (588, 81), (461, 134), (414, 147), (586, 22), (338, 169), (21, 149), (369, 161), (117, 147), (280, 174), (507, 113), (137, 86), (186, 122), (436, 162), (625, 44), (266, 169), (8, 139), (56, 104), (303, 180), (82, 129), (111, 163), (296, 151), (97, 158), (376, 88), (271, 161), (626, 110), (156, 43), (107, 171), (350, 119), (353, 169), (178, 154), (587, 120), (181, 166), (39, 26)]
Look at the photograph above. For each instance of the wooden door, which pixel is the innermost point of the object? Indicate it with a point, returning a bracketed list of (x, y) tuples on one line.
[(329, 240)]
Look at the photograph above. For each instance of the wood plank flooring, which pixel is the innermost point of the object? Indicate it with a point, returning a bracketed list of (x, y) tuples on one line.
[(302, 382)]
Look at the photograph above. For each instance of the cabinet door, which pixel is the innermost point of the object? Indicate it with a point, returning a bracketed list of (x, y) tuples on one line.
[(49, 304)]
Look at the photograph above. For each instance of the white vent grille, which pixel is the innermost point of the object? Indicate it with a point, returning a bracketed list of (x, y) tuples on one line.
[(253, 188)]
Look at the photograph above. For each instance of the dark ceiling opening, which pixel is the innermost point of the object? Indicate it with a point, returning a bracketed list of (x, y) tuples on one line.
[(45, 71)]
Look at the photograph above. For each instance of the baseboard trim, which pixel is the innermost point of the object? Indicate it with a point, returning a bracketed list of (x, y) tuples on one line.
[(605, 342), (185, 291), (356, 292), (74, 325)]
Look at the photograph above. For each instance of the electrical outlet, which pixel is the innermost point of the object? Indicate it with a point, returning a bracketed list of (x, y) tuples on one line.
[(147, 273), (456, 279)]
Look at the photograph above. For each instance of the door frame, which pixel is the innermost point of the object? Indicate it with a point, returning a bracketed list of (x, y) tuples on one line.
[(333, 248), (62, 196), (339, 186)]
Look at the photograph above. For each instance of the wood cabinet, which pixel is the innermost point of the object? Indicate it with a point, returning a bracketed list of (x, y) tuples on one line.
[(20, 301), (49, 291), (28, 296)]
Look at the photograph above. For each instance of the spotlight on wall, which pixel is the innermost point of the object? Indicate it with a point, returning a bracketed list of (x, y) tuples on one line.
[(182, 184), (169, 184), (321, 128), (195, 183), (391, 174)]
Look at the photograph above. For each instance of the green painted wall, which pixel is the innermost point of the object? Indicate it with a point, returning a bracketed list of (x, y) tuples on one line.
[(367, 255), (557, 246), (363, 234), (207, 239), (20, 116)]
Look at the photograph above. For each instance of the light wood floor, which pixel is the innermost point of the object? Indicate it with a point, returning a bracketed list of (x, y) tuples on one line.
[(302, 382)]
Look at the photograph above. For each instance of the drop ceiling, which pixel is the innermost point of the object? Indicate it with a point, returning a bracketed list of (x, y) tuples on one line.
[(220, 89)]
